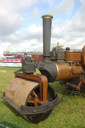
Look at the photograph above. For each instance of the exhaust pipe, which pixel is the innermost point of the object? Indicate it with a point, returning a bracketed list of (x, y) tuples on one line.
[(47, 19)]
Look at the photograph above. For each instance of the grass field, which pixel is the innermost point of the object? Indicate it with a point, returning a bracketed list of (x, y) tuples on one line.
[(69, 114)]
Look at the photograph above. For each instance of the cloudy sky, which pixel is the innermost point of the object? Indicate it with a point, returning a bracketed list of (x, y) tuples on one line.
[(21, 24)]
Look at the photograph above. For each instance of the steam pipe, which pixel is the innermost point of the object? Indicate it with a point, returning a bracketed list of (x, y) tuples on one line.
[(47, 19)]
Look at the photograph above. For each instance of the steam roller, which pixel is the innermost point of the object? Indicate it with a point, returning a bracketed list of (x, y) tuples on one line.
[(30, 94)]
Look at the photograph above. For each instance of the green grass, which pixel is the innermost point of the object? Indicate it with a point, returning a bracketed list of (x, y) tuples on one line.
[(69, 114)]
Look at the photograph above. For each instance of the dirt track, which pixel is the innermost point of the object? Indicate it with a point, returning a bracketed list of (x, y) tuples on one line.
[(3, 71)]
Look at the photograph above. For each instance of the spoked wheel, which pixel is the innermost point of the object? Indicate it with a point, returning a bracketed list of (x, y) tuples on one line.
[(33, 100)]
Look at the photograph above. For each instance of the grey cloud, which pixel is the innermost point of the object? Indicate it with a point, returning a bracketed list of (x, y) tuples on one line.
[(33, 32), (72, 31), (11, 17)]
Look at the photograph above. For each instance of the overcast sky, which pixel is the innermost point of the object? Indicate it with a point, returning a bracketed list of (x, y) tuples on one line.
[(21, 24)]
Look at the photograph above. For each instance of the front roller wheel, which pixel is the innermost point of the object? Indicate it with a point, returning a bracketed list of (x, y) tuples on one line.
[(36, 118), (23, 92)]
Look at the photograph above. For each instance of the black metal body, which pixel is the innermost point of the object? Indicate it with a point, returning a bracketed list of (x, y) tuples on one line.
[(48, 68)]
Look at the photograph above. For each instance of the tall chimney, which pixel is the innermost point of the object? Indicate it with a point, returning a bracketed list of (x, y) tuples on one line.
[(47, 19)]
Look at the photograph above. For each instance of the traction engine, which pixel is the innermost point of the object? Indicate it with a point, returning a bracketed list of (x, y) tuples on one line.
[(30, 93)]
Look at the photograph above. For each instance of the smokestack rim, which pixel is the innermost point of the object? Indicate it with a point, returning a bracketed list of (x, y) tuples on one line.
[(47, 16)]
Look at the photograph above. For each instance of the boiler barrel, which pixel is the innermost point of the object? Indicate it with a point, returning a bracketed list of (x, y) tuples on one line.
[(66, 71)]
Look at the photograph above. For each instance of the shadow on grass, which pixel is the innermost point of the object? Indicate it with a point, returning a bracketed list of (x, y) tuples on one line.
[(60, 88), (64, 93)]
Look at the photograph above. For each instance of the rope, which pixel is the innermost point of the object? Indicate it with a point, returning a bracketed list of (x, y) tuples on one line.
[(11, 123), (4, 126)]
